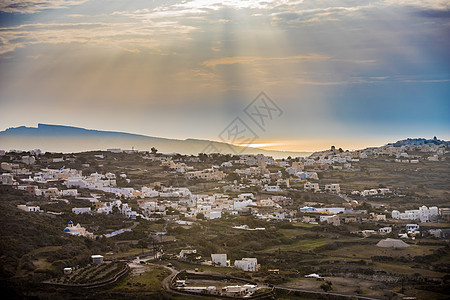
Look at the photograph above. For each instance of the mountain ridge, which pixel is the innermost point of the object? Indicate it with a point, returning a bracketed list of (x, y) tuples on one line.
[(64, 138)]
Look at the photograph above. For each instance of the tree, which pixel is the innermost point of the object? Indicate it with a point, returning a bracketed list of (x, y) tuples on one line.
[(142, 244), (153, 150), (233, 176), (326, 287), (200, 216), (203, 156)]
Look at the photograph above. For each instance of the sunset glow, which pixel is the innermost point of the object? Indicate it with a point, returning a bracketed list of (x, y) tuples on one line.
[(348, 73)]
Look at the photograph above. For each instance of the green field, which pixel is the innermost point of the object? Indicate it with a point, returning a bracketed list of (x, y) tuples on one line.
[(147, 282)]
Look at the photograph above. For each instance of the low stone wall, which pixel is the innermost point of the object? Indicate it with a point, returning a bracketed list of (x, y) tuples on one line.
[(321, 295), (104, 283)]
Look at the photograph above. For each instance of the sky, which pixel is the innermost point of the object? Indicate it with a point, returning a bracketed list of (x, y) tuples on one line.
[(346, 73)]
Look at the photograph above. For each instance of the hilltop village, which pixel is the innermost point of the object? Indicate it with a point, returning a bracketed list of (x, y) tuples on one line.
[(372, 222)]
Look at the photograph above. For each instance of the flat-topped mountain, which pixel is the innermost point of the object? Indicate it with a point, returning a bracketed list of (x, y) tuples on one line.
[(58, 138)]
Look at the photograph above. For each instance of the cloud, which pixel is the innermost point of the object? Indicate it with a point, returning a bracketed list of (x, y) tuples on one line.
[(322, 11), (35, 56), (33, 6), (110, 34), (236, 4), (434, 13), (321, 14), (429, 4), (206, 7), (258, 60)]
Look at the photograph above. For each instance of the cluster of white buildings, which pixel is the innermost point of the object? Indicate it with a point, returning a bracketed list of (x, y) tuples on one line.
[(372, 192), (247, 264), (423, 214), (213, 206), (314, 186), (402, 150), (94, 181), (108, 208)]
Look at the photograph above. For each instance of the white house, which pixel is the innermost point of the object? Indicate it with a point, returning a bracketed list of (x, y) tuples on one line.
[(28, 160), (184, 253), (81, 210), (76, 183), (272, 188), (51, 192), (213, 214), (433, 158), (334, 188), (371, 192), (147, 192), (29, 208), (269, 203), (220, 260), (308, 186), (385, 230), (423, 214), (384, 191), (182, 192), (412, 228), (110, 175), (244, 196), (6, 179), (227, 164), (70, 193), (334, 220), (127, 211), (380, 217), (305, 175), (276, 216), (97, 259), (324, 218), (247, 264), (240, 204)]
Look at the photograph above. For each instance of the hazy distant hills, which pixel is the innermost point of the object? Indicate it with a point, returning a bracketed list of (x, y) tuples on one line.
[(420, 141), (58, 138)]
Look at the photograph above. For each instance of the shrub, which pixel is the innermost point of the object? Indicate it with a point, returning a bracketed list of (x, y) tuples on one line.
[(325, 287)]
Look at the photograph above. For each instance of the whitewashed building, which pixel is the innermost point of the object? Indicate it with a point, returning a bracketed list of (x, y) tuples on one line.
[(334, 188), (81, 210), (220, 260), (385, 230), (308, 186), (29, 208), (247, 264)]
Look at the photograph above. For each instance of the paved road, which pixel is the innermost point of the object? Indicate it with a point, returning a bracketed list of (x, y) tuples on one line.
[(166, 281), (349, 296)]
